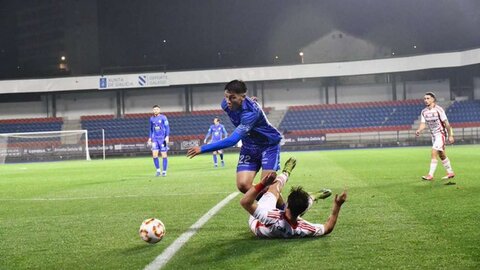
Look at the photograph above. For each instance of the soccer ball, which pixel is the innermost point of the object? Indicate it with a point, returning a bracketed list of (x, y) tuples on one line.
[(152, 230)]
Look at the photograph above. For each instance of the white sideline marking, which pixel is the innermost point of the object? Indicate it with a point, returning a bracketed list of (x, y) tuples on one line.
[(111, 197), (168, 253)]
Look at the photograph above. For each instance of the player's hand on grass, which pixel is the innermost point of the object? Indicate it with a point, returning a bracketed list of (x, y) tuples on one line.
[(193, 151), (339, 200)]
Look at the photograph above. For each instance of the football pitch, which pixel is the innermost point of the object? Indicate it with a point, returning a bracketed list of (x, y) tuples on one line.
[(86, 215)]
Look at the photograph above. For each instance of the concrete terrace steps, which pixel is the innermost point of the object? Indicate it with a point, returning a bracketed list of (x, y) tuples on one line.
[(275, 117), (71, 124)]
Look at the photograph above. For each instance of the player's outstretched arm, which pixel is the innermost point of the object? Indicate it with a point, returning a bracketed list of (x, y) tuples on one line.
[(222, 144), (332, 219), (248, 200)]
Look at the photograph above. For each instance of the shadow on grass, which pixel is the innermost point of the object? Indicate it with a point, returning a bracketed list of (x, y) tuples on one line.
[(141, 248), (242, 247)]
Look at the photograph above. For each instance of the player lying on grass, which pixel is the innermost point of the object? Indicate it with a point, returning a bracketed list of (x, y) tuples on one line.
[(269, 222)]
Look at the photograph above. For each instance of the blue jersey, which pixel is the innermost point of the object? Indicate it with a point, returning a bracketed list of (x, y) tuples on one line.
[(159, 128), (252, 124), (217, 132)]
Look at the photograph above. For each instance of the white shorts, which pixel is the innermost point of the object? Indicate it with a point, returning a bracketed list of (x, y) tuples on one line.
[(438, 142), (267, 202)]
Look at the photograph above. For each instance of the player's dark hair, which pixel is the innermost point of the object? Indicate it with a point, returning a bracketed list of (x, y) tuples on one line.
[(236, 86), (432, 95), (156, 106), (297, 201), (216, 117)]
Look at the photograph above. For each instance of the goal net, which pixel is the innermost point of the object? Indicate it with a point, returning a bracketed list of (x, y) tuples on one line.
[(44, 146)]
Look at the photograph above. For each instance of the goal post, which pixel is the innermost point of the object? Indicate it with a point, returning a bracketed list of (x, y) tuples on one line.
[(44, 146)]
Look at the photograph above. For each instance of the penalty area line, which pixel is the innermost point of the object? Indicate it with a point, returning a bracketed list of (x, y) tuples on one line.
[(170, 251)]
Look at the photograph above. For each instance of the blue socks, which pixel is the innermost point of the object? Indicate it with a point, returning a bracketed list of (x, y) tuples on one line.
[(165, 164), (215, 159), (157, 164)]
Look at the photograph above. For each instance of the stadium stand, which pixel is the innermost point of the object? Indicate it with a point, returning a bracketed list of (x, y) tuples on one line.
[(134, 128), (32, 125), (351, 117), (465, 113)]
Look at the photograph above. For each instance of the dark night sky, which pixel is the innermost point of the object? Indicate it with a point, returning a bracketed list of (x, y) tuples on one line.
[(224, 33)]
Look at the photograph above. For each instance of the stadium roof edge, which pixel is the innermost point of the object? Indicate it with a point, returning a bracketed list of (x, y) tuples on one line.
[(145, 80)]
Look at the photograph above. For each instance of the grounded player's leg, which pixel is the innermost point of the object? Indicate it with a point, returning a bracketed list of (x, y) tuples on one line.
[(321, 194), (289, 165), (156, 162), (280, 201), (282, 178)]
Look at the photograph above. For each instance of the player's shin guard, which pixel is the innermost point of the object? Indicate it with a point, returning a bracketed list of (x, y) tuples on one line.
[(221, 156), (281, 179), (165, 164), (447, 165), (433, 166), (157, 164)]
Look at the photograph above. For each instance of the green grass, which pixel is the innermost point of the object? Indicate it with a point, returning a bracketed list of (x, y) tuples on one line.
[(85, 215)]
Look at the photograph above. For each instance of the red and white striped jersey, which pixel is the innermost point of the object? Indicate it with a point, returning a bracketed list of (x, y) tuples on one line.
[(273, 224), (434, 119)]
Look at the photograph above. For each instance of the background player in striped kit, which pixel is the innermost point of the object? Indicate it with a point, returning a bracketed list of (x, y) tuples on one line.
[(218, 132), (435, 118)]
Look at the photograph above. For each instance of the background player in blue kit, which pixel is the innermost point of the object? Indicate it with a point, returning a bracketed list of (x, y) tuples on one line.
[(218, 132), (261, 141), (159, 138)]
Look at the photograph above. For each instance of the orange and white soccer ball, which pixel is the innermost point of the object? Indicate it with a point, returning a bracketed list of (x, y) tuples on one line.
[(152, 230)]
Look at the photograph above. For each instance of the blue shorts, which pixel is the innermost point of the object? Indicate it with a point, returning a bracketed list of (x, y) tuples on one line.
[(254, 158), (159, 145)]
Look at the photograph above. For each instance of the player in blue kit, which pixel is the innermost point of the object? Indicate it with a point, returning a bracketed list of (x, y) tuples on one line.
[(218, 132), (261, 141), (159, 138)]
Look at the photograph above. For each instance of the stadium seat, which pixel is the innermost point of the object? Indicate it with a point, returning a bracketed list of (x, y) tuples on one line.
[(352, 117)]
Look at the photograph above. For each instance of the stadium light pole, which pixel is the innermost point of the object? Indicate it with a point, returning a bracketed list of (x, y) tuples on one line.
[(301, 57)]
